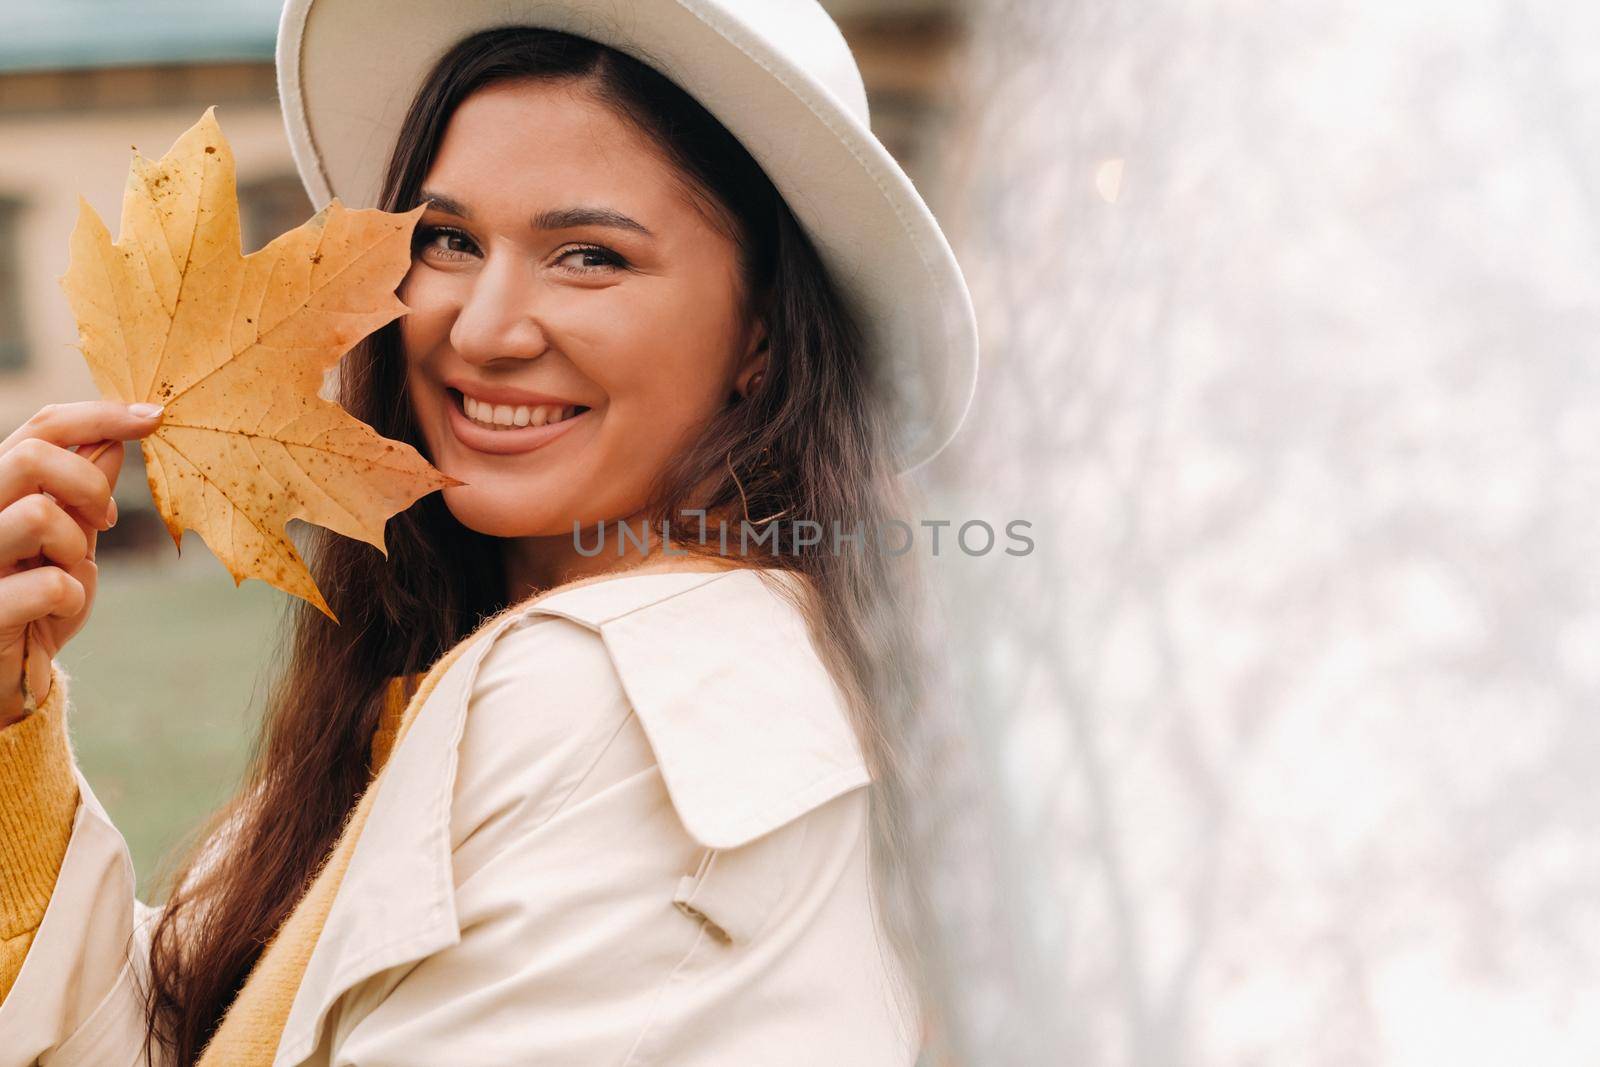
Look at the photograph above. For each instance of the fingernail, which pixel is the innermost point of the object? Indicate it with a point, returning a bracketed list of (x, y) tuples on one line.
[(145, 411), (111, 513)]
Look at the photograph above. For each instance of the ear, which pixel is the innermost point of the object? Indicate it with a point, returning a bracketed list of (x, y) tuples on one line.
[(755, 360)]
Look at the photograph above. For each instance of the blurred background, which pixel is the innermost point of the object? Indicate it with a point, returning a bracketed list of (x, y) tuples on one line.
[(1285, 732)]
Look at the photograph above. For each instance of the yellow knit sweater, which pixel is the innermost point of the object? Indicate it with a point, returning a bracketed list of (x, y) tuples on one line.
[(38, 802)]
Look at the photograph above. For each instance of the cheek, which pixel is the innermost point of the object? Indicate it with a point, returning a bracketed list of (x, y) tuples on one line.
[(429, 312), (670, 357), (657, 407), (420, 334)]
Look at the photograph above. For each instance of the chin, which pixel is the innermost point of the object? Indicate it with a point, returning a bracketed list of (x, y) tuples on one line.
[(500, 516)]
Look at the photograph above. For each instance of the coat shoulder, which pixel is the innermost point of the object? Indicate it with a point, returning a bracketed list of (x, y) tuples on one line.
[(748, 725)]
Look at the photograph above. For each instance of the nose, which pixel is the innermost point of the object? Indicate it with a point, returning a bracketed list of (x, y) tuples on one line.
[(497, 319)]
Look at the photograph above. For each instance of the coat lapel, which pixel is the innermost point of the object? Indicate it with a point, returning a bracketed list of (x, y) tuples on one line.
[(395, 901)]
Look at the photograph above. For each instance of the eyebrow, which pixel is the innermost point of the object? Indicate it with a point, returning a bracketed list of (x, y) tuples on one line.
[(552, 219)]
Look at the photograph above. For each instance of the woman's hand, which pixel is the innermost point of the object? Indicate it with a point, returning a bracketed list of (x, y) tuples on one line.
[(53, 504)]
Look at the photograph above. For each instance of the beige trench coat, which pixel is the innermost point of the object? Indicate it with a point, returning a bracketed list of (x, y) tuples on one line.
[(627, 826)]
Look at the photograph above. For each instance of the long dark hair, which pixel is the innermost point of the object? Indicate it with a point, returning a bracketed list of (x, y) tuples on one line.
[(812, 442)]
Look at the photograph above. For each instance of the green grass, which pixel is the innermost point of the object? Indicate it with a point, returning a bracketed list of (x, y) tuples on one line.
[(168, 681)]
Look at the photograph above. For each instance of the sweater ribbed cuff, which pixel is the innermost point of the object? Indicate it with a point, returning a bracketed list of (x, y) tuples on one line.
[(38, 801)]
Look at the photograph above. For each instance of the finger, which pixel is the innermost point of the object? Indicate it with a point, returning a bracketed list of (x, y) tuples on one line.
[(108, 455), (110, 464), (87, 572), (35, 466), (36, 525), (109, 461), (38, 592), (82, 422)]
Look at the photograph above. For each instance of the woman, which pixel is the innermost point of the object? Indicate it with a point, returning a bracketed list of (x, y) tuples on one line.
[(531, 802)]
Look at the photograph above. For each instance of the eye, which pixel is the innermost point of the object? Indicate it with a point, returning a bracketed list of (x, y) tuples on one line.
[(426, 236), (607, 260)]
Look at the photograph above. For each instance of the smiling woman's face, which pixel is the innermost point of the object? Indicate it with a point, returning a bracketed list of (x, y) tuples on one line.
[(636, 319)]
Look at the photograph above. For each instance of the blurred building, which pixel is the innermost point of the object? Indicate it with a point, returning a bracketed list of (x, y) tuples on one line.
[(84, 82)]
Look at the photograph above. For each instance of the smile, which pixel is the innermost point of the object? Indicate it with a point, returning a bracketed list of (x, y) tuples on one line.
[(502, 429)]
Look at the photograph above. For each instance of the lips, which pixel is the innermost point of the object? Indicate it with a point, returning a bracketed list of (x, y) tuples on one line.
[(505, 441), (504, 394)]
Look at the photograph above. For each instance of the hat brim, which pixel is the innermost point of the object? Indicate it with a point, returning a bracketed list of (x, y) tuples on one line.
[(348, 69)]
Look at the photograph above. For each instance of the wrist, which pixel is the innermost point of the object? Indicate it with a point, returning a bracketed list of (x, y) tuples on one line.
[(17, 707), (14, 707), (31, 690)]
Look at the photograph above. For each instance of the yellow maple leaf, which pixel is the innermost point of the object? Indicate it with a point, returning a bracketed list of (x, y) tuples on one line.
[(236, 347)]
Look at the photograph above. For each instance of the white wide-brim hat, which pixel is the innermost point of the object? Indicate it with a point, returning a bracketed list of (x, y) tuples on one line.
[(777, 73)]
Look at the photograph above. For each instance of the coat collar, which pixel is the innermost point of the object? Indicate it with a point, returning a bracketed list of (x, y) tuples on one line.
[(748, 727)]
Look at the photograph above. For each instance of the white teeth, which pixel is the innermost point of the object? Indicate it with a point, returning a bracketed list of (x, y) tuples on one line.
[(505, 416)]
